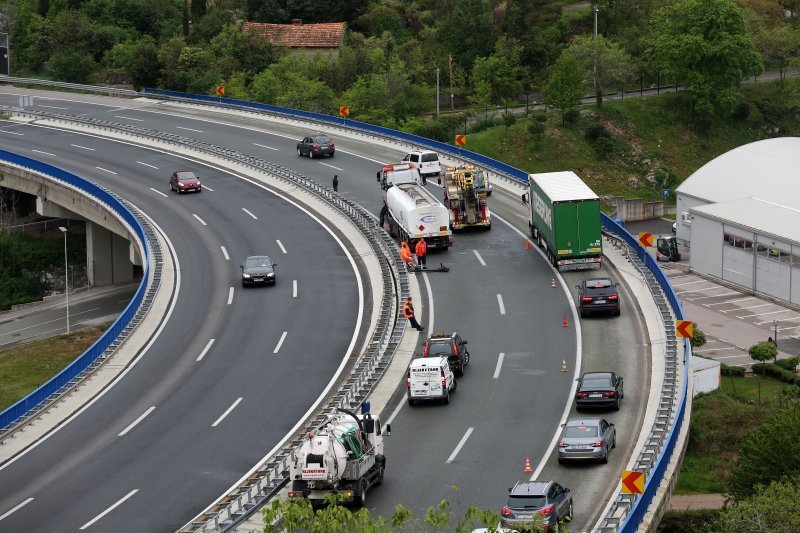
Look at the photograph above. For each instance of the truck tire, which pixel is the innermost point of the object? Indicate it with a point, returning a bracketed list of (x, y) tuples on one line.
[(360, 496), (455, 386), (411, 402), (446, 399)]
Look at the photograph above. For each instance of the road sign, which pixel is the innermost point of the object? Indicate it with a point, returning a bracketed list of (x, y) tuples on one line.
[(685, 329), (220, 90), (461, 140), (645, 239), (665, 192), (344, 110), (632, 482)]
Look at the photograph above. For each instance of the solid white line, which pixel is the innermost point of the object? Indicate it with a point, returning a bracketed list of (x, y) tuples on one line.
[(133, 424), (249, 213), (189, 129), (45, 153), (17, 508), (226, 413), (733, 356), (396, 411), (790, 327), (742, 308), (280, 342), (688, 283), (499, 365), (15, 332), (460, 445), (225, 253), (430, 300), (500, 303), (230, 296), (147, 165), (207, 188), (265, 146), (331, 166), (129, 118), (158, 192), (13, 133), (205, 350), (688, 291), (280, 244), (764, 314), (82, 147), (106, 170), (791, 318), (711, 296), (732, 301), (101, 515), (50, 106), (203, 222), (294, 288), (714, 350), (480, 259)]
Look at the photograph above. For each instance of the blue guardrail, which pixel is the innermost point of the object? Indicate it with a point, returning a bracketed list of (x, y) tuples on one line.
[(36, 398)]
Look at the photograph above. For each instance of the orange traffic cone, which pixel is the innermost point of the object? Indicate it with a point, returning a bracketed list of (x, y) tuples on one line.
[(528, 468), (564, 366), (564, 322), (527, 244), (553, 283)]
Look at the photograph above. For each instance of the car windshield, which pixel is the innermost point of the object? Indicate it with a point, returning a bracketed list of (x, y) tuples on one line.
[(598, 284), (526, 502), (427, 158), (186, 176), (257, 262), (436, 348), (596, 383), (322, 139), (576, 432)]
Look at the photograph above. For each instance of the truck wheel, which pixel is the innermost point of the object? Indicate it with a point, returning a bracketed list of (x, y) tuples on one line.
[(446, 399), (379, 481), (360, 498), (455, 386)]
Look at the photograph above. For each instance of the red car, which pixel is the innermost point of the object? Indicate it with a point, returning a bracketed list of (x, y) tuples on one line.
[(184, 181)]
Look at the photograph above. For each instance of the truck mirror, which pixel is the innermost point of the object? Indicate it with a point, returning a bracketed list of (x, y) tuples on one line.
[(388, 429), (369, 425)]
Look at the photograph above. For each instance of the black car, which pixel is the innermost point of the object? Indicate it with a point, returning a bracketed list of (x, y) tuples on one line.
[(598, 295), (451, 346), (258, 270), (316, 145), (542, 504), (599, 389)]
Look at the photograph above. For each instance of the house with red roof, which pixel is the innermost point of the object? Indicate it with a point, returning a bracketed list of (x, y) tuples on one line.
[(299, 38)]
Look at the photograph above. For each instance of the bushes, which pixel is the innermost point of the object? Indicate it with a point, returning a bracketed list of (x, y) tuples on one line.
[(571, 116), (735, 371), (789, 363), (775, 371), (595, 131)]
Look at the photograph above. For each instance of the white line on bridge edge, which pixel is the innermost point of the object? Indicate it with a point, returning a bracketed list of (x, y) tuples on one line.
[(189, 129), (13, 133), (500, 303), (17, 508), (249, 213), (225, 253), (158, 192), (460, 445), (280, 342), (101, 515), (45, 153), (106, 170), (82, 147), (226, 413), (499, 365), (203, 222), (480, 259), (230, 295), (205, 350), (264, 146), (147, 165), (281, 246), (294, 288), (133, 424)]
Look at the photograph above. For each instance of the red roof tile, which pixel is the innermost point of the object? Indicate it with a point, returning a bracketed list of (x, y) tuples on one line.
[(324, 35)]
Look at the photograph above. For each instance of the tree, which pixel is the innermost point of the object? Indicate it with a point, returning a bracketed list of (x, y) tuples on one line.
[(499, 75), (199, 9), (464, 29), (565, 87), (603, 61), (769, 453), (704, 43), (763, 351), (698, 337), (772, 509), (778, 46)]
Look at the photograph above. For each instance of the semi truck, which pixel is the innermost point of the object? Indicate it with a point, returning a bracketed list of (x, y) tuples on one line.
[(344, 456), (564, 220), (413, 212), (465, 191)]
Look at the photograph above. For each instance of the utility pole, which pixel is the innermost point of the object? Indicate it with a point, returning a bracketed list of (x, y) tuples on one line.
[(595, 9), (452, 104), (437, 91)]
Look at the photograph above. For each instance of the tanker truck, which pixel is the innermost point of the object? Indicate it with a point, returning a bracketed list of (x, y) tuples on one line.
[(344, 456)]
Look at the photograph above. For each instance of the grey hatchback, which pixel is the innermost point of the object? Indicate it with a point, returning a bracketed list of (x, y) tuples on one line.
[(586, 440), (258, 269), (537, 503)]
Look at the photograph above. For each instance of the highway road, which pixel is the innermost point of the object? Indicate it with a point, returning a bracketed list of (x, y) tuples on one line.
[(497, 295)]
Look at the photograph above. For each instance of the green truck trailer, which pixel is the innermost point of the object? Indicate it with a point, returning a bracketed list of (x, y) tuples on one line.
[(564, 219)]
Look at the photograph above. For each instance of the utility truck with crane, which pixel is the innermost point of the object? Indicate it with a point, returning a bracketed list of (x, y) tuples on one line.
[(465, 191)]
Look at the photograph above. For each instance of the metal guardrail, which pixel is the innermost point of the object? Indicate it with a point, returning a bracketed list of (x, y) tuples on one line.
[(94, 89), (31, 405)]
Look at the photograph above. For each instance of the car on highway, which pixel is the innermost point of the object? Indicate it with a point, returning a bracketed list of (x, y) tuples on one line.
[(599, 389), (426, 161), (598, 295), (543, 504), (450, 345), (184, 181), (584, 439), (316, 145), (430, 378), (258, 270)]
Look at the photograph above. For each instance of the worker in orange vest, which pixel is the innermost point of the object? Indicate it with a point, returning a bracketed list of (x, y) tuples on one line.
[(422, 249), (408, 312), (405, 254)]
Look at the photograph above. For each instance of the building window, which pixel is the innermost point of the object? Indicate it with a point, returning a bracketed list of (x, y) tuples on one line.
[(772, 252), (738, 242)]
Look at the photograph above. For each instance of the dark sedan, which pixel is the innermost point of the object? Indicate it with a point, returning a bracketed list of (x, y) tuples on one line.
[(598, 295), (316, 145), (258, 270), (184, 181), (599, 389)]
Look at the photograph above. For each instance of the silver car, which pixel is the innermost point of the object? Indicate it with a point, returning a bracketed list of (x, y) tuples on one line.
[(585, 439)]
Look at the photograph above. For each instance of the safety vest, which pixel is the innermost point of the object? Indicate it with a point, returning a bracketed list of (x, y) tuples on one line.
[(421, 248), (408, 310)]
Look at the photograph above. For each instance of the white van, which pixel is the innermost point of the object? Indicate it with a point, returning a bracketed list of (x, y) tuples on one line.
[(426, 161), (430, 378)]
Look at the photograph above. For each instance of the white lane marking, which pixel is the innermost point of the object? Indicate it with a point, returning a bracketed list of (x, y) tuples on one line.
[(732, 301), (101, 515), (764, 314), (203, 222), (430, 300), (280, 244), (688, 283), (789, 319), (15, 509), (205, 350), (480, 259), (280, 342), (106, 170), (265, 146), (742, 308), (133, 424), (689, 291), (147, 165), (249, 213), (711, 296), (396, 411), (331, 166), (13, 133), (207, 188), (226, 413), (189, 129), (500, 303), (230, 295), (45, 153), (225, 253), (129, 118), (499, 365), (15, 332), (714, 350), (790, 327), (732, 356), (158, 192), (460, 445), (82, 147), (381, 163), (294, 288), (50, 106)]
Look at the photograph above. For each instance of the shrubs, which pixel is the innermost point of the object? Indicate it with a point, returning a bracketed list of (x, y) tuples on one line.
[(535, 128), (741, 112), (571, 116), (735, 371), (789, 363), (595, 131), (775, 371)]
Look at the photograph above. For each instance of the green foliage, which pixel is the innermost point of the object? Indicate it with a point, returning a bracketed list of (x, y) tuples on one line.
[(603, 61), (442, 128), (604, 147), (571, 116), (535, 128), (72, 66), (698, 337), (730, 370), (770, 508), (763, 351), (565, 86), (595, 131), (509, 119), (777, 372), (741, 112), (790, 363)]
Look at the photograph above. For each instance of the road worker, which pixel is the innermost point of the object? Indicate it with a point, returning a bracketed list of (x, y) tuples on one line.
[(408, 312), (422, 249)]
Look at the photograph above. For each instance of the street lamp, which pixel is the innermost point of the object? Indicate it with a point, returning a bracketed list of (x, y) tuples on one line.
[(66, 272)]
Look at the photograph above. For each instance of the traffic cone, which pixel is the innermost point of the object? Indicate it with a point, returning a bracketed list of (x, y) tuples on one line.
[(528, 468), (553, 283), (564, 365), (527, 244), (564, 322)]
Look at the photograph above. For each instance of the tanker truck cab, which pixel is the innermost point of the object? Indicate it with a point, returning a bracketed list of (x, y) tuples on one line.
[(399, 173), (430, 378)]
